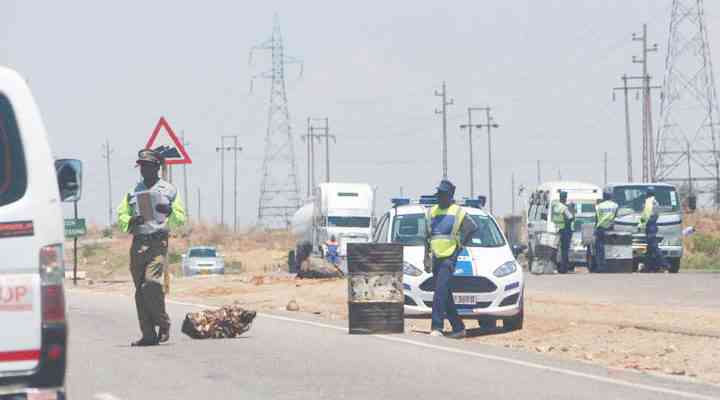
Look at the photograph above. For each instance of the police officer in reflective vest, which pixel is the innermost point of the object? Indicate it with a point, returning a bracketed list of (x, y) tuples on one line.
[(563, 218), (654, 259), (448, 231), (149, 247), (605, 214)]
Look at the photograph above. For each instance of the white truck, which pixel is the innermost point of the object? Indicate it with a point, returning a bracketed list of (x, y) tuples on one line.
[(340, 210)]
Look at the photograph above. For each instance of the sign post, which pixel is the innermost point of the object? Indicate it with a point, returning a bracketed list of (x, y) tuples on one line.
[(74, 228)]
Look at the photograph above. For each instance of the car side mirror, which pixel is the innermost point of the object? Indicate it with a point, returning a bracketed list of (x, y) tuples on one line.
[(518, 249), (69, 177)]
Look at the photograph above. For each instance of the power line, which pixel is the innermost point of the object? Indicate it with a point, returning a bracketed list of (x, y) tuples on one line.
[(443, 111), (490, 123), (326, 136), (310, 139), (469, 126)]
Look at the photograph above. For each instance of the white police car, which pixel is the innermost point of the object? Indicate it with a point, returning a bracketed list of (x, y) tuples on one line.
[(488, 283)]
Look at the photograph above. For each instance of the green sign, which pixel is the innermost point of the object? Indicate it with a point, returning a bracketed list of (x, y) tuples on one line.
[(75, 227)]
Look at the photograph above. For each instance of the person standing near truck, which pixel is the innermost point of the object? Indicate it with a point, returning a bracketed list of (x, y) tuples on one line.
[(605, 214), (149, 247), (563, 218), (448, 232), (654, 260)]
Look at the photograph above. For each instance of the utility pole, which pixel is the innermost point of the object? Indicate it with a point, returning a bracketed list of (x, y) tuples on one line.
[(235, 149), (185, 181), (310, 138), (489, 125), (107, 151), (605, 164), (512, 185), (539, 181), (628, 140), (648, 141), (469, 126), (628, 144), (199, 214), (443, 111), (325, 128)]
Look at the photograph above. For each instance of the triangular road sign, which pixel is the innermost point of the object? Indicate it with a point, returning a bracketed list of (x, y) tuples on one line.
[(164, 138)]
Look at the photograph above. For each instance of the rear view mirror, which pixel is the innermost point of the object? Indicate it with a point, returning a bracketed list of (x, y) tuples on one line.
[(69, 177)]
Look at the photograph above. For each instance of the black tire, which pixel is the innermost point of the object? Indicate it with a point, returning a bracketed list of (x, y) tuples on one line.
[(515, 323), (636, 266), (530, 257), (487, 324), (291, 260), (674, 266)]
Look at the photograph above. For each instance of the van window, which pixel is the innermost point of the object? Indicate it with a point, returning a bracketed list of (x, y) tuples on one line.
[(13, 174)]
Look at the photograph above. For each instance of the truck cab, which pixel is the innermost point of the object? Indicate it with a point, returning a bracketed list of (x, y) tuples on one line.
[(631, 200), (33, 338)]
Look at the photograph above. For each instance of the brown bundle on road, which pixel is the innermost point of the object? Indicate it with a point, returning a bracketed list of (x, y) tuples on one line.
[(226, 322)]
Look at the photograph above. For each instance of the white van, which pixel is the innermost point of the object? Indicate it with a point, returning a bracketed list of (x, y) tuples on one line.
[(582, 196), (33, 338)]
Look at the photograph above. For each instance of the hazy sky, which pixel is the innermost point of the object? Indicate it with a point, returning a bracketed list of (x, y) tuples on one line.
[(102, 69)]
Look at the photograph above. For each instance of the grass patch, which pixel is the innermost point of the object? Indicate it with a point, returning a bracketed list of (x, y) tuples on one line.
[(174, 257), (92, 249), (700, 262)]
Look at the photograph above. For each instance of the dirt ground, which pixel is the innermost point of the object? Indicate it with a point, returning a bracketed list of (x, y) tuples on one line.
[(676, 341)]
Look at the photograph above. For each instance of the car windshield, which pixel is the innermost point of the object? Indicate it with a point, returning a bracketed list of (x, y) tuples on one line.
[(409, 229), (632, 198), (198, 253), (349, 222), (487, 235)]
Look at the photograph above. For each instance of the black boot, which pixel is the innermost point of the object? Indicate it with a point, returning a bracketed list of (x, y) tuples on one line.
[(164, 335), (144, 342)]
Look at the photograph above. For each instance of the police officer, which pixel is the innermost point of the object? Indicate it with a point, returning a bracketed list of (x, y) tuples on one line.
[(149, 247), (654, 259), (563, 218), (605, 214), (448, 231)]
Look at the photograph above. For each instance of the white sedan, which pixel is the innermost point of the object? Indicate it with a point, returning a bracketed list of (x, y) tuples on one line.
[(488, 283)]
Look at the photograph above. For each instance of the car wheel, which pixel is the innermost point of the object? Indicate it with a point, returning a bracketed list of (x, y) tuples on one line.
[(515, 323), (674, 266), (487, 324), (636, 266), (530, 257)]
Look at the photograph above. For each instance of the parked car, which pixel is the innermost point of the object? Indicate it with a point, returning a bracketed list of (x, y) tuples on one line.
[(582, 197), (33, 338), (202, 260), (488, 283)]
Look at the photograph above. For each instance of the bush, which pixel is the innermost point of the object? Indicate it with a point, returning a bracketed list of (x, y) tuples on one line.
[(705, 244), (91, 249), (700, 261)]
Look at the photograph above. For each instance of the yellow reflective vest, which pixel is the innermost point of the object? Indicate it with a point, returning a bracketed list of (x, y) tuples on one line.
[(444, 229)]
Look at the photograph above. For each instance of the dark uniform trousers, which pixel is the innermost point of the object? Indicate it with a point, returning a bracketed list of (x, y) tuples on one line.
[(565, 239), (148, 267)]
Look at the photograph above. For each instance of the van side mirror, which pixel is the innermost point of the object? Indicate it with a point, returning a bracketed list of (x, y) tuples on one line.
[(69, 177)]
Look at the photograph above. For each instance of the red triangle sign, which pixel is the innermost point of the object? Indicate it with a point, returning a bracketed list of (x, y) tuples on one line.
[(163, 136)]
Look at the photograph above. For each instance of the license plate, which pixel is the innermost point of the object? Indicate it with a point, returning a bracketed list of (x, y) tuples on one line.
[(204, 272), (465, 299)]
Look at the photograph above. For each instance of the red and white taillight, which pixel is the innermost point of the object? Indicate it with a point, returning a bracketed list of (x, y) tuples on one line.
[(52, 273)]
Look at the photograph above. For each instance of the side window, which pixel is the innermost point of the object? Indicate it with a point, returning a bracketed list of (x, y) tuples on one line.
[(13, 173)]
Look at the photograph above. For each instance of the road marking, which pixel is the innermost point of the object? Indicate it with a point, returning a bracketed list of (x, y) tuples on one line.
[(526, 364), (105, 396)]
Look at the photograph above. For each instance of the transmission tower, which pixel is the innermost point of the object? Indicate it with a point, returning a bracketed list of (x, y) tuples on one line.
[(687, 135), (279, 191)]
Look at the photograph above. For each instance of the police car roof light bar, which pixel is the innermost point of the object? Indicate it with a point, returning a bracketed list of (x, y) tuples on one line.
[(400, 201)]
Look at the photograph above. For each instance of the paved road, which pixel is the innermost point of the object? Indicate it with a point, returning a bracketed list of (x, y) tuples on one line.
[(296, 357), (685, 289)]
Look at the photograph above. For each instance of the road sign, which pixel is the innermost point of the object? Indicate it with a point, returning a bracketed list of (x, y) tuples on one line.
[(173, 149), (75, 227)]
